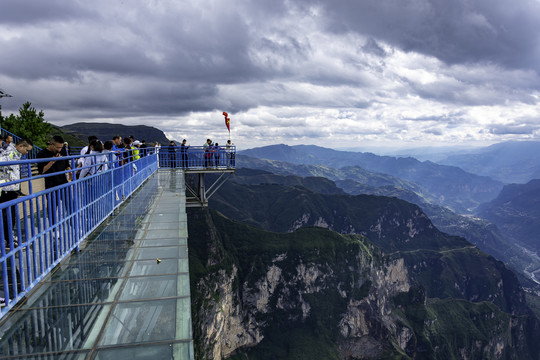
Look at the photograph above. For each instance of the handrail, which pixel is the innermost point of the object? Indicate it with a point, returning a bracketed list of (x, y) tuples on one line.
[(44, 227), (35, 149), (198, 157), (192, 157)]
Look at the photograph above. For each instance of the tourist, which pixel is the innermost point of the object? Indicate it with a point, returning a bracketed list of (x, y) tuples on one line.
[(128, 152), (143, 147), (54, 166), (65, 150), (183, 153), (8, 140), (86, 150), (95, 163), (91, 138), (217, 153), (135, 148), (230, 150), (10, 192), (58, 206), (117, 148), (207, 146), (172, 154), (108, 149), (8, 146)]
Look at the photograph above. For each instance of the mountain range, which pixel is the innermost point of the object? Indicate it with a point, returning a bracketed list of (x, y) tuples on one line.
[(452, 187), (309, 252), (284, 271), (105, 131), (480, 232), (516, 211), (508, 162)]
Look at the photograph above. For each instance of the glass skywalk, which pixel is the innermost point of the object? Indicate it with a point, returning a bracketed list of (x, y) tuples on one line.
[(125, 295)]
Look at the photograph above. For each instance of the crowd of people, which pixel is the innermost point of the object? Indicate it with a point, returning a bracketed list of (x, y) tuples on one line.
[(95, 158), (215, 156)]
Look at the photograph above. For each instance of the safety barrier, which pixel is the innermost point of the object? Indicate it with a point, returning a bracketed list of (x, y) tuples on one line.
[(193, 157), (40, 229), (32, 154), (44, 227), (197, 157)]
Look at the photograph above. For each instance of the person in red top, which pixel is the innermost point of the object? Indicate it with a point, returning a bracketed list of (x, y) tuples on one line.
[(207, 146)]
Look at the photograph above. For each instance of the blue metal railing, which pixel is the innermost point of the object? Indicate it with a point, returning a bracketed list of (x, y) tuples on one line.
[(35, 149), (44, 227), (194, 157), (197, 157)]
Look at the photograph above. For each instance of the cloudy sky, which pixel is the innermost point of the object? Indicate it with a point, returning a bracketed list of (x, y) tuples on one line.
[(335, 73)]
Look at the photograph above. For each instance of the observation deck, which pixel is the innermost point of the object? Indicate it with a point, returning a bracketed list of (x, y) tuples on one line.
[(109, 276)]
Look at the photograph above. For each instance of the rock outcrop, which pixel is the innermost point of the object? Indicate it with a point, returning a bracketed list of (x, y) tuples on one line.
[(318, 293)]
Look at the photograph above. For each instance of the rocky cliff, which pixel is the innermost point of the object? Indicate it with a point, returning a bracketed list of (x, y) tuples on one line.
[(317, 294)]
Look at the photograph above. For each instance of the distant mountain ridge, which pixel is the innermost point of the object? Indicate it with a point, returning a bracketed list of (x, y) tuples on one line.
[(509, 162), (516, 211), (105, 131), (454, 187)]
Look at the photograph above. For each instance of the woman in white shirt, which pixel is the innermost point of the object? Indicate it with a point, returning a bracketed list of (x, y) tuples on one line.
[(96, 163)]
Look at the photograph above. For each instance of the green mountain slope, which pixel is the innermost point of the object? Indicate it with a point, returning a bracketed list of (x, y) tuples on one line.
[(317, 294), (355, 181), (395, 226), (485, 235), (516, 212)]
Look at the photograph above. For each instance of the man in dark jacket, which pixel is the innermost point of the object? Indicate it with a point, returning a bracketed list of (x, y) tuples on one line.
[(58, 207), (54, 166), (183, 152), (172, 154)]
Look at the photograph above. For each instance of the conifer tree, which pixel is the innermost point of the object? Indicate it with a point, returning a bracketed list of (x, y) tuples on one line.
[(29, 124)]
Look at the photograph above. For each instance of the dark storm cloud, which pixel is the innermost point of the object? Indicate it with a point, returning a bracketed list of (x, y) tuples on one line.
[(31, 12), (457, 31), (173, 46), (360, 67), (126, 61), (373, 47)]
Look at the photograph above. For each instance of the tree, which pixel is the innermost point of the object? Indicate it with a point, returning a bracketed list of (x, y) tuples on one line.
[(29, 124)]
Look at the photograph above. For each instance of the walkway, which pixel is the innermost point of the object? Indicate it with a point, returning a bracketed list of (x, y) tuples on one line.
[(125, 295)]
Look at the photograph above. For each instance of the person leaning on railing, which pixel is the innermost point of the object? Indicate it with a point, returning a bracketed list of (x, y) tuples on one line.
[(128, 153), (207, 147), (11, 173), (96, 163), (54, 166)]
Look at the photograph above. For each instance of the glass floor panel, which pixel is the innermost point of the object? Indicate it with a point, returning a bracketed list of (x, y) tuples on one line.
[(124, 295)]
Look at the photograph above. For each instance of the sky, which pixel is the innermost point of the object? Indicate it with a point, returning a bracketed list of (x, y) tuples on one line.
[(334, 73)]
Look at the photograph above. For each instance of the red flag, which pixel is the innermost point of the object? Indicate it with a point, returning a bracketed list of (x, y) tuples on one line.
[(227, 121)]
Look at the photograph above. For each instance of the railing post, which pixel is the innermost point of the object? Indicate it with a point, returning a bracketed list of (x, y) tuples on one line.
[(113, 189), (30, 188), (74, 201)]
